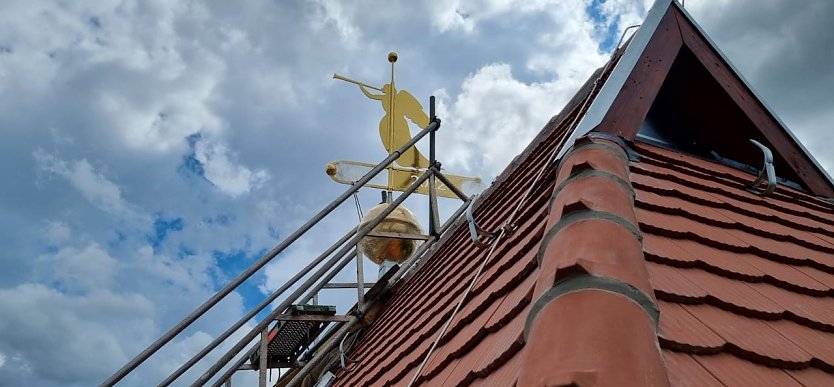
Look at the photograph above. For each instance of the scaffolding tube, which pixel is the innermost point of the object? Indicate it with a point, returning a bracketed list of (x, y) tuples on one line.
[(231, 286), (230, 354)]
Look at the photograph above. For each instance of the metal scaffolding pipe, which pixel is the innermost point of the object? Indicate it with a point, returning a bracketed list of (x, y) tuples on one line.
[(327, 278), (400, 273), (323, 351), (231, 286), (266, 302), (359, 235), (330, 344), (449, 184)]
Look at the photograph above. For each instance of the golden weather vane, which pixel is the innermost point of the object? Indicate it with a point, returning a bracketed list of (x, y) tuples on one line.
[(393, 127), (394, 133)]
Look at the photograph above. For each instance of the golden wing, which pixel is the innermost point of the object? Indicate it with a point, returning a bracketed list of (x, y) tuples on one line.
[(406, 106), (411, 108)]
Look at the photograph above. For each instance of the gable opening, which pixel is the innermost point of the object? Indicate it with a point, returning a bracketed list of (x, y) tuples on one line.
[(693, 114)]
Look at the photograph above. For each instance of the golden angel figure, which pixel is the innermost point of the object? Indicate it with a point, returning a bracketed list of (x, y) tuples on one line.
[(405, 106)]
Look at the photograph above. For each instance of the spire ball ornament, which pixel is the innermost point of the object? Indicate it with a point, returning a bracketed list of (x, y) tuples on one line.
[(380, 249), (330, 169), (392, 56)]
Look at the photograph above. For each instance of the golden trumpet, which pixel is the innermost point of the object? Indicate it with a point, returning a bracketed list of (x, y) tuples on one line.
[(337, 76)]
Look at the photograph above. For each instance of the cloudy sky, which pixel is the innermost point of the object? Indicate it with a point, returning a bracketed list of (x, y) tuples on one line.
[(150, 150)]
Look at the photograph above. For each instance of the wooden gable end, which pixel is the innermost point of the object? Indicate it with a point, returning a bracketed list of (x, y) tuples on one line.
[(681, 79)]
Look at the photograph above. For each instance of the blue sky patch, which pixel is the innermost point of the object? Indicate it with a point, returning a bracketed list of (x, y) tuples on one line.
[(233, 263), (162, 226), (610, 34), (190, 165)]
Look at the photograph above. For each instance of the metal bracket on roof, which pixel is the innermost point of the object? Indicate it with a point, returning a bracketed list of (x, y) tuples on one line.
[(475, 231), (623, 35), (767, 172)]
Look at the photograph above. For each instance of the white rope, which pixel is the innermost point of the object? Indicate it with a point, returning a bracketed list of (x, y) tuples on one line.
[(358, 205)]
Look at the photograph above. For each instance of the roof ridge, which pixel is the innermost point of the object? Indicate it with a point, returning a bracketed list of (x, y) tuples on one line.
[(591, 257)]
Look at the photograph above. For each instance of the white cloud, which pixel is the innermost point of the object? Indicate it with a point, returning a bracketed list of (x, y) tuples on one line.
[(333, 12), (81, 269), (220, 169), (447, 16), (94, 186), (626, 12), (66, 339), (56, 232), (497, 115), (103, 312)]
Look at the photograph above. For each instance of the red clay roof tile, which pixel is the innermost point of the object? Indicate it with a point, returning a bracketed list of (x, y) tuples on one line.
[(751, 338), (812, 377), (684, 371), (681, 330), (735, 372)]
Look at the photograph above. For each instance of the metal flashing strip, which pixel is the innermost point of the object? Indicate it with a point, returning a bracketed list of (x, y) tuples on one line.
[(612, 86), (632, 154), (583, 282), (756, 95), (578, 216)]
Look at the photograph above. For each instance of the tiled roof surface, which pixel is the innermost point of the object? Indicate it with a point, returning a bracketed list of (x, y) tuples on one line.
[(744, 283)]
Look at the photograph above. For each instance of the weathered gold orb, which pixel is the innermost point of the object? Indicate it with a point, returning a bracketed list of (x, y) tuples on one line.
[(379, 249), (330, 169), (392, 56)]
